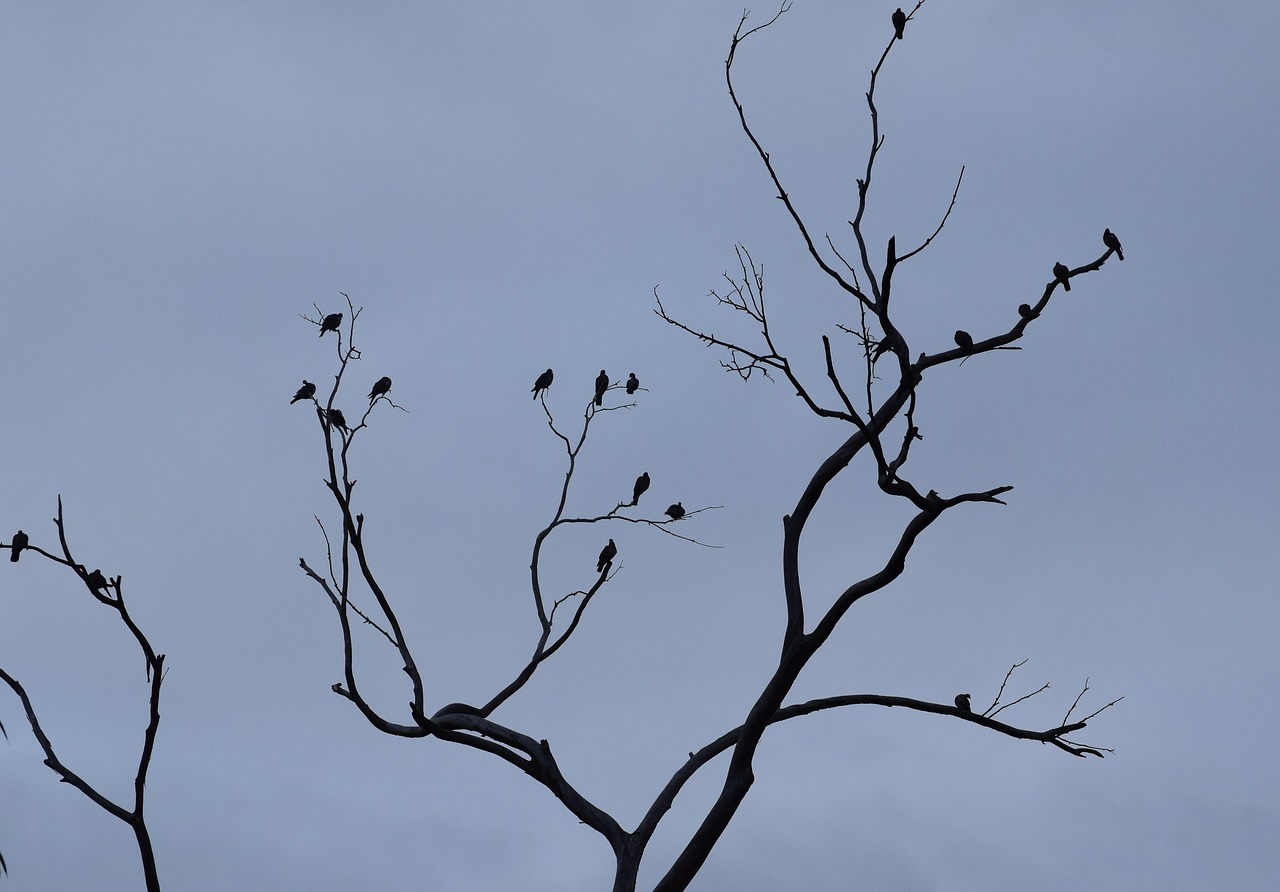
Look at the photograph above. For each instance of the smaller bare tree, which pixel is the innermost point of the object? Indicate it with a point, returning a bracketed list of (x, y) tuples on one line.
[(109, 592)]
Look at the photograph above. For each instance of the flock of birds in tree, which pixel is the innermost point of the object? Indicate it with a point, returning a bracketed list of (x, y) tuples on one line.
[(307, 391), (1061, 275), (542, 384), (382, 387)]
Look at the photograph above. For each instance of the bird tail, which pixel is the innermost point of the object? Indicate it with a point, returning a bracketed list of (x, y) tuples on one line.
[(1066, 285)]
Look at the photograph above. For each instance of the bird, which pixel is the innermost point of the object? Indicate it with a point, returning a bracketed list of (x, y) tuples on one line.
[(96, 580), (962, 703), (642, 483), (607, 554), (963, 338), (330, 323), (1061, 273), (337, 419), (1024, 310), (543, 382), (19, 542), (633, 384), (899, 22), (602, 384), (305, 392), (379, 389), (1109, 239), (675, 512)]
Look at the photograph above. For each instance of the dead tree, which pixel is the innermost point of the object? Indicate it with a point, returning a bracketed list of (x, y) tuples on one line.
[(880, 413), (109, 592)]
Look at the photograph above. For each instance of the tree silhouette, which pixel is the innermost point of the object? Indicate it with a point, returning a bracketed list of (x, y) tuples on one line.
[(883, 430), (109, 593)]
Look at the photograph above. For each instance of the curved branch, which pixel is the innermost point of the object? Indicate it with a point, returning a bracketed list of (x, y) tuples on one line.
[(645, 829)]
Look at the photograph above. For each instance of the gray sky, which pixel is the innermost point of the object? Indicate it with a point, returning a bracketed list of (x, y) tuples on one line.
[(501, 186)]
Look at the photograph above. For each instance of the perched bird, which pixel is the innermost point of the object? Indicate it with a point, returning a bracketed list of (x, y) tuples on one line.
[(379, 389), (899, 22), (607, 554), (543, 382), (1109, 239), (642, 483), (675, 512), (1061, 272), (458, 709), (1024, 310), (338, 420), (602, 384), (633, 384), (305, 392), (962, 703), (19, 542), (964, 339), (330, 323), (96, 580)]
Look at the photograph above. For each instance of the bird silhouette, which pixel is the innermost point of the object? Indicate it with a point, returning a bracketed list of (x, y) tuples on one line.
[(964, 339), (543, 382), (1061, 272), (337, 419), (381, 388), (633, 384), (675, 512), (1109, 239), (642, 483), (19, 542), (607, 554), (330, 323), (305, 392), (882, 347), (602, 384), (899, 22), (1024, 310), (962, 703), (96, 580)]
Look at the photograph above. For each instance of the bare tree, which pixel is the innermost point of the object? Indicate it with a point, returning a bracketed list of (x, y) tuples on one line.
[(881, 414), (109, 592)]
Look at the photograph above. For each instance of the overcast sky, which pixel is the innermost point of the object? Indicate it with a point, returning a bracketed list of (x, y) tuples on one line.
[(501, 186)]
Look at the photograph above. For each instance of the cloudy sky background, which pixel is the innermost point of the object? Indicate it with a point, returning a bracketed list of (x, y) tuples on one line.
[(501, 187)]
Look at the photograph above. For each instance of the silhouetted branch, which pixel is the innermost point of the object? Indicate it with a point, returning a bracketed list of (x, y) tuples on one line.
[(759, 361), (1003, 684), (100, 587), (729, 739), (941, 223), (738, 36)]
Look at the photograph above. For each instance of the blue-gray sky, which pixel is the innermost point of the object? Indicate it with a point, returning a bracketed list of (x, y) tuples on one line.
[(501, 186)]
